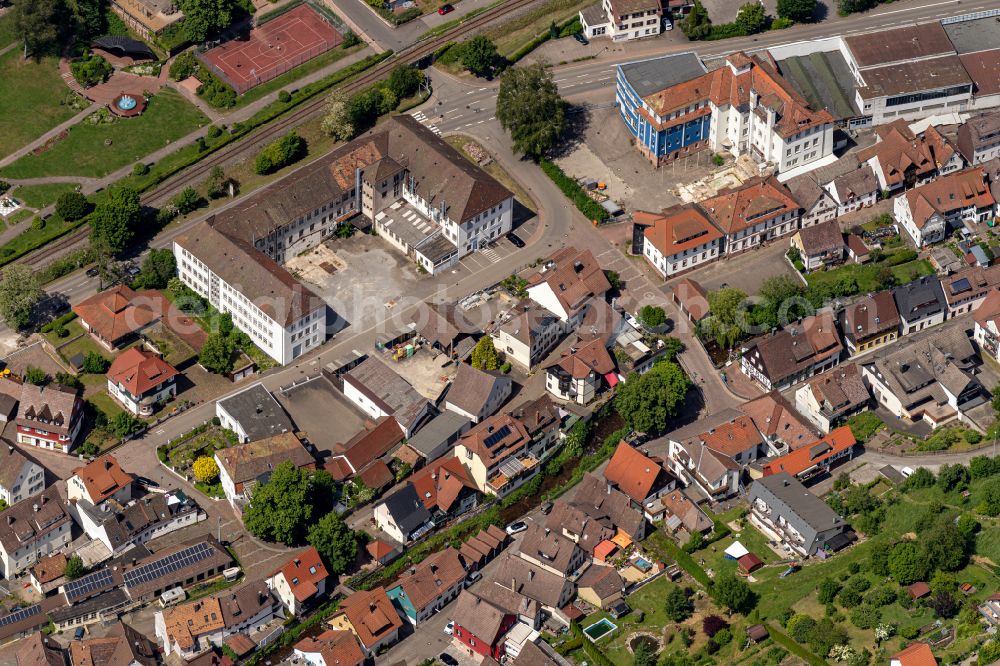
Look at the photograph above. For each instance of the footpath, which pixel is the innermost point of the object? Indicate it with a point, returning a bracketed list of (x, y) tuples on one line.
[(91, 185)]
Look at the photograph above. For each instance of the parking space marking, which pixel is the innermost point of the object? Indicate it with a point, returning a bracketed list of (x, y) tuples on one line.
[(491, 254)]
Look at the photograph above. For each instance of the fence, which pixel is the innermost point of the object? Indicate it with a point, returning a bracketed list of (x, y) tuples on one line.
[(271, 73)]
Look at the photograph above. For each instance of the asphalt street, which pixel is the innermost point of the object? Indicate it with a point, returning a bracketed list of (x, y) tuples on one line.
[(593, 81)]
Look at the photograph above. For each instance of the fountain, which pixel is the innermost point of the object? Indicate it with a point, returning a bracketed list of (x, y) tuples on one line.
[(127, 106)]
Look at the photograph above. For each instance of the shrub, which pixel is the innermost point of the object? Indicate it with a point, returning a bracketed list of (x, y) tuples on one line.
[(284, 97), (865, 616), (72, 206), (590, 208), (213, 132), (38, 224), (972, 436), (280, 153), (718, 160), (140, 169), (350, 39), (91, 70)]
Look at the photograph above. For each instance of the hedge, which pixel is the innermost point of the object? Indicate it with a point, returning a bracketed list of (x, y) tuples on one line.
[(574, 192), (687, 563), (567, 25), (61, 321)]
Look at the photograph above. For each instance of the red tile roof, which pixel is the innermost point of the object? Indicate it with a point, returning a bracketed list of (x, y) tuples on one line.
[(338, 648), (103, 477), (140, 371), (304, 573), (440, 483), (948, 193), (917, 654), (801, 459), (112, 315), (580, 361), (677, 229), (761, 199), (376, 475), (372, 615), (633, 472), (734, 437)]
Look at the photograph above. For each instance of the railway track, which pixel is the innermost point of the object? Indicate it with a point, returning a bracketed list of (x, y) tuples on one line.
[(254, 141)]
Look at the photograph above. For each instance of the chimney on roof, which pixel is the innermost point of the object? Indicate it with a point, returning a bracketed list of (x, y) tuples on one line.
[(35, 507), (107, 463)]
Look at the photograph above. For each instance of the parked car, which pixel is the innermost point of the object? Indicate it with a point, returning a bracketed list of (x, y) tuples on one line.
[(906, 472), (92, 271), (146, 483), (78, 634), (132, 270), (472, 578), (545, 508), (450, 627), (578, 36), (445, 9), (668, 25), (514, 528), (447, 659), (515, 240), (632, 321)]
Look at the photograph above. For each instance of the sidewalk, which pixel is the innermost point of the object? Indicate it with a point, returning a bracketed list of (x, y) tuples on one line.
[(91, 185), (55, 131)]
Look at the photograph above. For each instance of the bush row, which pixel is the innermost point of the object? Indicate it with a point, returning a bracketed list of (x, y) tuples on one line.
[(574, 192)]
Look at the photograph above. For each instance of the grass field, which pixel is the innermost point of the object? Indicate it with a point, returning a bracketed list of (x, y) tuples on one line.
[(7, 33), (512, 35), (85, 152), (40, 196), (866, 275), (29, 99), (30, 238)]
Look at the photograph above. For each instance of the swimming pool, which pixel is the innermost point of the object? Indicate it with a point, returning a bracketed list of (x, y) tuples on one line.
[(600, 629), (642, 564)]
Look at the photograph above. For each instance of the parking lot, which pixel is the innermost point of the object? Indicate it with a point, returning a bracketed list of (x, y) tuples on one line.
[(746, 271)]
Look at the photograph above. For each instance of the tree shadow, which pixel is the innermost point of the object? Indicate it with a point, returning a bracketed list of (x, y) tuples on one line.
[(577, 123)]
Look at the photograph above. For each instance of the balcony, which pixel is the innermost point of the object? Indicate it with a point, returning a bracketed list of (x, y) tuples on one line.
[(511, 470)]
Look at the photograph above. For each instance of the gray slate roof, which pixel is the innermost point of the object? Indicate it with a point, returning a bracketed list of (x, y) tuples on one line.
[(651, 76), (258, 413)]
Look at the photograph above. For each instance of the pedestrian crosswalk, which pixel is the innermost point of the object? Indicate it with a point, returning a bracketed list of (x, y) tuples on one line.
[(492, 255), (426, 122)]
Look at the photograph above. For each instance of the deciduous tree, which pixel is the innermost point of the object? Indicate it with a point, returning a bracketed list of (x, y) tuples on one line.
[(114, 220), (733, 593), (751, 18), (157, 268), (217, 354), (479, 55), (37, 23), (19, 292), (530, 109), (484, 354), (906, 564), (74, 568), (797, 10), (72, 206), (206, 469), (648, 401), (336, 542), (337, 117)]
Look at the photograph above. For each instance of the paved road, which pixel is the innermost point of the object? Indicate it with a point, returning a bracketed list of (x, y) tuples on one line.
[(593, 81)]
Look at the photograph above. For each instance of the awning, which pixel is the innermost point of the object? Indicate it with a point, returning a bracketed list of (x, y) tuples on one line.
[(612, 379), (604, 550), (736, 551), (622, 540)]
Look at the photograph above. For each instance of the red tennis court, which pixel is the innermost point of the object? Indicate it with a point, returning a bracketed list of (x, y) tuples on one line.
[(272, 48)]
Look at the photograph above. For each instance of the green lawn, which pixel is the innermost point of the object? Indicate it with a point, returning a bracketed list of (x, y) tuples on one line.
[(31, 238), (182, 455), (85, 152), (866, 275), (30, 95), (912, 270), (105, 403), (8, 35), (40, 196)]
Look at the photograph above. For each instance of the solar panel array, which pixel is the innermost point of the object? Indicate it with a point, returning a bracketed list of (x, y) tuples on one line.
[(20, 614), (501, 432), (169, 564), (83, 587)]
